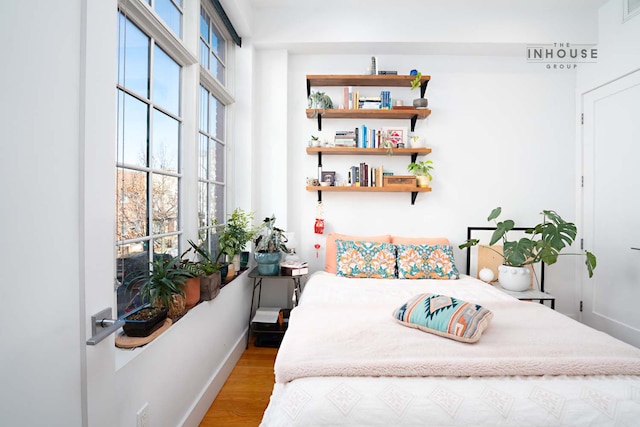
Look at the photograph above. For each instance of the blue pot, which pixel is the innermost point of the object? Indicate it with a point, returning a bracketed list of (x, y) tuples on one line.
[(268, 263)]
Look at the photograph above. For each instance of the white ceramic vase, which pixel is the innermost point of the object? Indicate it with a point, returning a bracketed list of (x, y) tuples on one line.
[(515, 279)]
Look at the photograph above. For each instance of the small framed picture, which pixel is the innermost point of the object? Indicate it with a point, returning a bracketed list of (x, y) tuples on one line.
[(330, 177), (396, 135)]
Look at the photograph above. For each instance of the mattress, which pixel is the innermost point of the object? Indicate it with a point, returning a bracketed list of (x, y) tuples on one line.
[(332, 366)]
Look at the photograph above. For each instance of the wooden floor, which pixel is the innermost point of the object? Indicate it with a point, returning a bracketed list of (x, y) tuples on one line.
[(245, 394)]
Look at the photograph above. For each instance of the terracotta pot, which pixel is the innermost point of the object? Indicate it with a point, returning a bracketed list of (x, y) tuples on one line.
[(192, 292)]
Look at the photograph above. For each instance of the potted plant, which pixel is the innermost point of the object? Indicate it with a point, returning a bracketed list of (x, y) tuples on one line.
[(419, 103), (234, 235), (422, 171), (163, 285), (270, 243), (320, 100), (546, 241), (144, 320), (208, 269)]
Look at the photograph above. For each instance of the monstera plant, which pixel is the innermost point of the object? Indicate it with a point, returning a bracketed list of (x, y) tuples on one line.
[(544, 243)]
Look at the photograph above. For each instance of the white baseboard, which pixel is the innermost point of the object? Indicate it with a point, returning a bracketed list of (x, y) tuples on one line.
[(203, 402)]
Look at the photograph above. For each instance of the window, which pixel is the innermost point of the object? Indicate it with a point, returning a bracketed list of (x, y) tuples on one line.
[(157, 135), (148, 157), (212, 47), (211, 166), (171, 13), (213, 101)]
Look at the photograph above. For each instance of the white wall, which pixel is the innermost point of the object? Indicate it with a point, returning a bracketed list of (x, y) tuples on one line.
[(39, 191), (502, 130), (502, 134), (618, 48), (292, 22), (180, 373), (47, 145)]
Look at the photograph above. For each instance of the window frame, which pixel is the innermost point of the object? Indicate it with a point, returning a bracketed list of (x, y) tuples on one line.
[(141, 14)]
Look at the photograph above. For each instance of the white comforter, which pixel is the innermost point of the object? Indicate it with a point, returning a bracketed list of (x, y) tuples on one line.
[(345, 361)]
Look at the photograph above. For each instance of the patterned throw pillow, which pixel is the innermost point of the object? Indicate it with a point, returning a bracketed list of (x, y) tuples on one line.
[(445, 316), (366, 259), (426, 262)]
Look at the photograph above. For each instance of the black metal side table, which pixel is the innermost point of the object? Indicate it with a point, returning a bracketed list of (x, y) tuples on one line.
[(257, 283)]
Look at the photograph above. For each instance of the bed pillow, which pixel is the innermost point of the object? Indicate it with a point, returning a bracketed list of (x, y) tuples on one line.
[(330, 265), (365, 259), (445, 316), (397, 240), (426, 262)]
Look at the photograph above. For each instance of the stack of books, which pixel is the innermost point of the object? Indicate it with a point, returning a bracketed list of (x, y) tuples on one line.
[(294, 268), (346, 138), (369, 103)]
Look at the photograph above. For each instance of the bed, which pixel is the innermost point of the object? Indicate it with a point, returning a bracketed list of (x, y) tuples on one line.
[(345, 360)]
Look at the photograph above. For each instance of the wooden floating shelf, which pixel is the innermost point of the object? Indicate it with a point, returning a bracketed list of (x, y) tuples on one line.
[(368, 151), (363, 80), (386, 189), (369, 114)]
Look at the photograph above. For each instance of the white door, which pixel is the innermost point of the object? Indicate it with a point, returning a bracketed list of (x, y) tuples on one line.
[(97, 201), (611, 207)]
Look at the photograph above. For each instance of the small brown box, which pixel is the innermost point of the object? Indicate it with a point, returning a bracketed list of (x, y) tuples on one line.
[(399, 180)]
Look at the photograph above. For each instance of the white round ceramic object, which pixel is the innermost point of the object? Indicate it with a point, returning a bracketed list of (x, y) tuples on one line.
[(486, 275)]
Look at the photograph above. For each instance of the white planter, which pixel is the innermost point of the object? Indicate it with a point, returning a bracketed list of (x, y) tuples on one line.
[(514, 278)]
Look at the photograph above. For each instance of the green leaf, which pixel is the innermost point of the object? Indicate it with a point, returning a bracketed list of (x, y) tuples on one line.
[(494, 214), (501, 229), (548, 254), (590, 262), (469, 243), (518, 253), (560, 235)]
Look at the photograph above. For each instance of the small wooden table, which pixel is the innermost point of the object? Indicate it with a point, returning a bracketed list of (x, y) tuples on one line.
[(257, 283), (530, 295)]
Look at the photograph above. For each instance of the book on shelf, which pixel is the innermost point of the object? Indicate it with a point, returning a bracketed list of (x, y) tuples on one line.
[(344, 142), (370, 106), (354, 176)]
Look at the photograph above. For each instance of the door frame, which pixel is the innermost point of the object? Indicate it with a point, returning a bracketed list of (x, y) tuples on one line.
[(97, 131)]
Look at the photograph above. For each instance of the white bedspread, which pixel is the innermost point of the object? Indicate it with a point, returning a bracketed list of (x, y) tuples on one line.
[(344, 327)]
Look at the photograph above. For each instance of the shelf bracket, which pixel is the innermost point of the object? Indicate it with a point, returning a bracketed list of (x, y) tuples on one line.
[(319, 196), (414, 157), (423, 88), (414, 194), (414, 118), (319, 121), (309, 88)]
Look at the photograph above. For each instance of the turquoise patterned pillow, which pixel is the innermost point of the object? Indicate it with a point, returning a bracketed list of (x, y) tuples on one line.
[(426, 262), (366, 259), (445, 316)]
